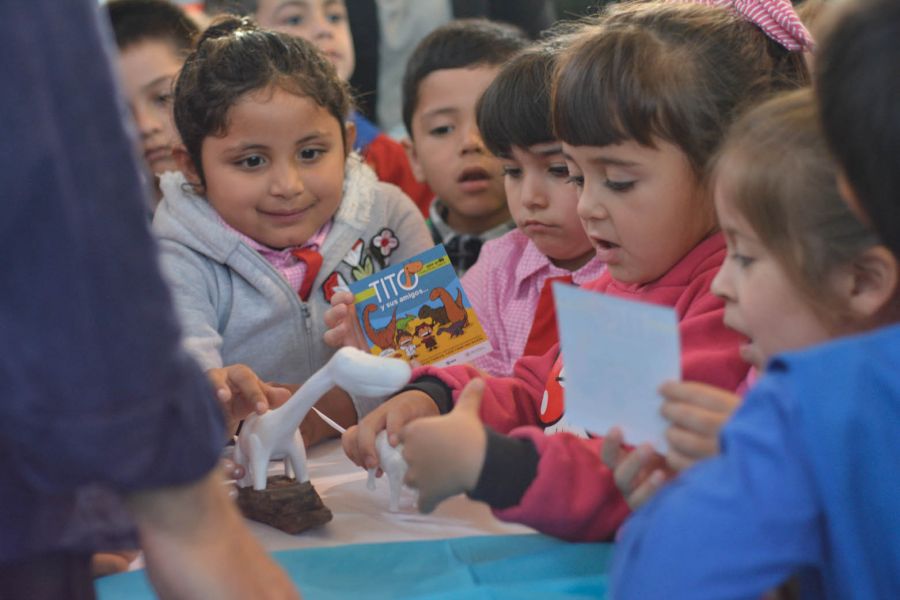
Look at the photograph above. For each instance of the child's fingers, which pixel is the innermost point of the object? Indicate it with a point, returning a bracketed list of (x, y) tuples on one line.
[(366, 431), (692, 418), (351, 444), (691, 445), (647, 489), (341, 297), (611, 449), (276, 395), (701, 395), (218, 378), (248, 389), (335, 315), (629, 468), (469, 400), (678, 462), (231, 469)]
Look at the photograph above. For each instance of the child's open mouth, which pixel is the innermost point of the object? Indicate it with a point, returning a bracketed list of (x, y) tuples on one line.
[(474, 179), (606, 251)]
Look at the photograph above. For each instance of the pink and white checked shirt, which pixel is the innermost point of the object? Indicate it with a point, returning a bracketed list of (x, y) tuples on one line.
[(504, 287), (284, 262)]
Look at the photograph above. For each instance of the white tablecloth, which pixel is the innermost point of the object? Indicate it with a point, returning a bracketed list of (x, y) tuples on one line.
[(362, 516)]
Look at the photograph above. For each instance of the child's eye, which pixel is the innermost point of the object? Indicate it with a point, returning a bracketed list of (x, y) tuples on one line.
[(163, 99), (577, 180), (561, 171), (292, 21), (441, 131), (618, 186), (742, 260), (311, 154), (514, 172), (335, 18), (251, 162)]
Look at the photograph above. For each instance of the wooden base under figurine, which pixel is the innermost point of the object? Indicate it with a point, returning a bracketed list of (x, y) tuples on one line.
[(285, 504)]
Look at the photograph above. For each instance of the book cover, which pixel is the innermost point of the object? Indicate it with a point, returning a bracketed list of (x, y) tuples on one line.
[(417, 310)]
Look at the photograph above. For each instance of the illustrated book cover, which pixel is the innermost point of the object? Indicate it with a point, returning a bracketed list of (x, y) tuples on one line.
[(417, 310)]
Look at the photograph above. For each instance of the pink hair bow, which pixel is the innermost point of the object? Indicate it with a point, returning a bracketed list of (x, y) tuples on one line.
[(776, 18)]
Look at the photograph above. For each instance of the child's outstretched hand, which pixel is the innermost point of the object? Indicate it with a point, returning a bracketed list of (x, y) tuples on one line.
[(343, 328), (638, 473), (445, 454), (392, 415), (241, 393), (697, 412)]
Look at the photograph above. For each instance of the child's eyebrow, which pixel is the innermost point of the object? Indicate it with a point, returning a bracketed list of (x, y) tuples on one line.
[(447, 110), (159, 80), (315, 135), (290, 4), (617, 162), (548, 150)]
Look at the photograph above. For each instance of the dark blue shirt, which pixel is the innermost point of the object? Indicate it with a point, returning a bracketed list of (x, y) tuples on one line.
[(808, 485), (96, 396)]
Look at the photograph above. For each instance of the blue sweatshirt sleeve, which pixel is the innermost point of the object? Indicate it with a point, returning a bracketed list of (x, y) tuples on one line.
[(735, 526)]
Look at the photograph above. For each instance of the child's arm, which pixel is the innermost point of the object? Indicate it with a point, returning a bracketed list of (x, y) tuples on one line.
[(736, 525), (508, 402)]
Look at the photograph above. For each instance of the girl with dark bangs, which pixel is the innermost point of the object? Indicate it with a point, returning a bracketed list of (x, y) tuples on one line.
[(642, 100)]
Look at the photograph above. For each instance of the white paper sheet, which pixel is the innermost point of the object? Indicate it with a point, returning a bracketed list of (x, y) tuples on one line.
[(616, 354)]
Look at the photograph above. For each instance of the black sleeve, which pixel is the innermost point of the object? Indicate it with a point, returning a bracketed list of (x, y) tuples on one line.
[(439, 391), (510, 465)]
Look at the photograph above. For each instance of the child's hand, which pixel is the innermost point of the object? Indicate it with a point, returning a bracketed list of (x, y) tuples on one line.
[(696, 412), (359, 440), (445, 454), (639, 473), (240, 393), (343, 328)]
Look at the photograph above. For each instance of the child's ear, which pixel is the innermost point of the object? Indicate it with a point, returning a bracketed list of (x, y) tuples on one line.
[(410, 148), (349, 137), (871, 283), (186, 165)]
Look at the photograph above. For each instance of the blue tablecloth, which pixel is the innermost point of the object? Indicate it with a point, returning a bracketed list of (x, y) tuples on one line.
[(495, 567)]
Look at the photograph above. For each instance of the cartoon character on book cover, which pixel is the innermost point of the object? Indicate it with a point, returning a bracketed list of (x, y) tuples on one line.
[(417, 310)]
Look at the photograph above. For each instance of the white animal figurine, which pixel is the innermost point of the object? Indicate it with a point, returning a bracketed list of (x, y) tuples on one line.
[(276, 434), (393, 465)]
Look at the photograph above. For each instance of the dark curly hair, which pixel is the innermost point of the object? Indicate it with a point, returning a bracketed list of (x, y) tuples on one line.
[(233, 58)]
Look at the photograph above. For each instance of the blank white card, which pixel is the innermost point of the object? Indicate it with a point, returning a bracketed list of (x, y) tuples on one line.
[(616, 353)]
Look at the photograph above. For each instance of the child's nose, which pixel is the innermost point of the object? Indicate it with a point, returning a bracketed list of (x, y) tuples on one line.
[(721, 284), (147, 122), (534, 194), (321, 27), (472, 141), (286, 182), (590, 207)]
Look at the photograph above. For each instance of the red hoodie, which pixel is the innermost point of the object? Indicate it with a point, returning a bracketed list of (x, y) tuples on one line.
[(557, 483)]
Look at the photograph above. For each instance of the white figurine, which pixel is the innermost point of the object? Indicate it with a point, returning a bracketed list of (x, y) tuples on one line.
[(393, 465), (276, 434)]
